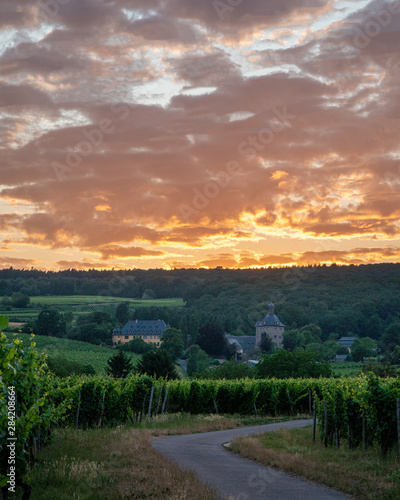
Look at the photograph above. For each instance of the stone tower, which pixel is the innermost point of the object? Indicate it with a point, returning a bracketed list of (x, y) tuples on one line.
[(271, 327)]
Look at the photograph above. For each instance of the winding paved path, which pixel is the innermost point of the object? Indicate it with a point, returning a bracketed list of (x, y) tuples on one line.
[(236, 477)]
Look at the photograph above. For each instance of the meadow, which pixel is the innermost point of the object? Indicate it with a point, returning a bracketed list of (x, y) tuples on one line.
[(80, 305)]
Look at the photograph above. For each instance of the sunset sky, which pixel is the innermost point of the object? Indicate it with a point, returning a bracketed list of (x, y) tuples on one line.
[(199, 133)]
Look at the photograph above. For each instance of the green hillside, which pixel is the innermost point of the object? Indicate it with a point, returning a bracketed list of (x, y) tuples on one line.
[(80, 352), (80, 305)]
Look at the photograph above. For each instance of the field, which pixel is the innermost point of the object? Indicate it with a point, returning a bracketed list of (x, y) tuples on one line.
[(81, 304), (73, 350), (346, 369)]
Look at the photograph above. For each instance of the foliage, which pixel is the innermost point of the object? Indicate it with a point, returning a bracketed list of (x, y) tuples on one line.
[(23, 375), (197, 360), (266, 345), (138, 345), (122, 312), (172, 343), (157, 364), (285, 364), (212, 340), (363, 348), (50, 322), (350, 402), (384, 369), (326, 351), (119, 365), (64, 367), (229, 371), (20, 300), (390, 339), (363, 299)]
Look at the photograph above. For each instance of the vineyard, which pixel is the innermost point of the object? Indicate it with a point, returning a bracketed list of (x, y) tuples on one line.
[(71, 350), (359, 411)]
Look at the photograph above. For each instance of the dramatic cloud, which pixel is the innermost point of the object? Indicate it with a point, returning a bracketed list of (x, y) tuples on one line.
[(180, 133)]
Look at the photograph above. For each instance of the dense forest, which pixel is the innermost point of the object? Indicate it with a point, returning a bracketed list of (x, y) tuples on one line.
[(361, 300)]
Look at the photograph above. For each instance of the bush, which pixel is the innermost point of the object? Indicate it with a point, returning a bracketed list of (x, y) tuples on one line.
[(296, 364), (24, 372)]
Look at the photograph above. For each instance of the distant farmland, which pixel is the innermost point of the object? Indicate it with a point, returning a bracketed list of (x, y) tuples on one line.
[(81, 304)]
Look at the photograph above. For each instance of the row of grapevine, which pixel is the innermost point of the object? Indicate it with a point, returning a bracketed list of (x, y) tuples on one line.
[(359, 410), (27, 410), (95, 401)]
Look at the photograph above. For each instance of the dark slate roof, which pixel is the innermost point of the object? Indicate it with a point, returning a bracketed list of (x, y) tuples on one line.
[(246, 342), (270, 319), (144, 327), (346, 341)]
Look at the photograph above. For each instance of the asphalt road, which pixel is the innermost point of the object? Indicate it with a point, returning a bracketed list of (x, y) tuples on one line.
[(236, 477)]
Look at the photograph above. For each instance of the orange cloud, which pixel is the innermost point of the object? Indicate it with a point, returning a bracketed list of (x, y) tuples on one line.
[(119, 138)]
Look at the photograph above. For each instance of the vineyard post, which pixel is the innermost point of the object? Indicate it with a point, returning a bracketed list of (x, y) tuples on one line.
[(255, 408), (348, 436), (159, 400), (102, 409), (77, 411), (165, 401), (314, 422), (326, 424), (151, 401), (310, 402), (398, 424), (364, 434), (215, 406)]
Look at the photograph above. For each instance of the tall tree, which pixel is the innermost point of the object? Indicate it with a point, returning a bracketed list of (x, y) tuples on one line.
[(119, 365), (172, 342), (197, 361), (363, 348), (20, 300), (212, 340), (122, 312), (50, 322), (157, 364)]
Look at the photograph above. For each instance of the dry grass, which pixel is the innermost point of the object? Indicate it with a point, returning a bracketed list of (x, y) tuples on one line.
[(364, 475), (112, 464), (121, 464)]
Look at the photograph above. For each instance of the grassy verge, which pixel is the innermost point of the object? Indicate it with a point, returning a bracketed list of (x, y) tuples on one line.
[(121, 464), (365, 475)]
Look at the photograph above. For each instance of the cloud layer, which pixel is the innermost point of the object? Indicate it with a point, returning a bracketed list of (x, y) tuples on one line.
[(183, 133)]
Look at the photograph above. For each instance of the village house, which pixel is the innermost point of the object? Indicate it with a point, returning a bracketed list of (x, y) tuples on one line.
[(150, 331)]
